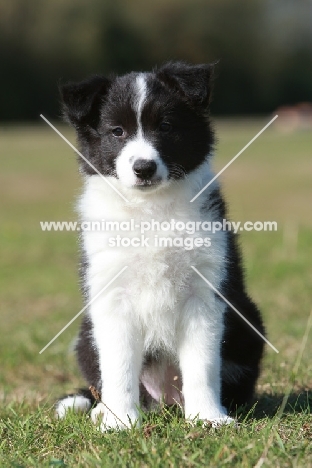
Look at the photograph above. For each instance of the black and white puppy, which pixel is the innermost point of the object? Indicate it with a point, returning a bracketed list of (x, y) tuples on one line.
[(158, 332)]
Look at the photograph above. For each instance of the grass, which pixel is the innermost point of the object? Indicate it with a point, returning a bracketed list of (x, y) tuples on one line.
[(39, 294)]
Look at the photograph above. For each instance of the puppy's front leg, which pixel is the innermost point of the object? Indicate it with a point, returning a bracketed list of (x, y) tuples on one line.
[(119, 346), (199, 352)]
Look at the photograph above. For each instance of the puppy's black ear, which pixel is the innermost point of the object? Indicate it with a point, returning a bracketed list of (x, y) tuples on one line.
[(193, 82), (82, 101)]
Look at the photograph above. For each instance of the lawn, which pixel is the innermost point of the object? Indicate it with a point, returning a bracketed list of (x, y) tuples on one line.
[(39, 294)]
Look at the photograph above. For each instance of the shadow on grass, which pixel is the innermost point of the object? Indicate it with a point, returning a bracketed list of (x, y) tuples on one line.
[(264, 406), (267, 405)]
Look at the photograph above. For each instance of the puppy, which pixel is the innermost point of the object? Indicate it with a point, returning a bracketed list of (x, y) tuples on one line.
[(158, 331)]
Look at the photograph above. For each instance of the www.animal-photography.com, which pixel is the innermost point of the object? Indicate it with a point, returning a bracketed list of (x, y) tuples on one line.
[(156, 233)]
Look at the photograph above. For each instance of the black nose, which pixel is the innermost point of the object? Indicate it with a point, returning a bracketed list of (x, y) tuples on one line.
[(144, 168)]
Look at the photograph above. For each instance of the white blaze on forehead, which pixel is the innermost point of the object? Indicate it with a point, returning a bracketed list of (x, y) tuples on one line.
[(139, 147), (141, 91)]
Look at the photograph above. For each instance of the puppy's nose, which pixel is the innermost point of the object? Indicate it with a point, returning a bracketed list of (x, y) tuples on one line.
[(144, 168)]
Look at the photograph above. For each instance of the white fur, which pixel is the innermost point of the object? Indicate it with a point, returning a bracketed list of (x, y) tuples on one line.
[(138, 148), (141, 97), (159, 302), (77, 403)]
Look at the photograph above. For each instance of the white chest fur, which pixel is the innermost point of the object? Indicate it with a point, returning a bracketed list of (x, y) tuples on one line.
[(159, 279)]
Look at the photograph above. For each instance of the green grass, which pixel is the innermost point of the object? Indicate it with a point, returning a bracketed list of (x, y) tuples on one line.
[(39, 294)]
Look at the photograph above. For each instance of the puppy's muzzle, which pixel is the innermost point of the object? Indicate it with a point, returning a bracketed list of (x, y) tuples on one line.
[(144, 169)]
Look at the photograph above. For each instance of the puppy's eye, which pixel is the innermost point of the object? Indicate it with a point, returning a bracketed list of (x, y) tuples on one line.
[(165, 127), (118, 131)]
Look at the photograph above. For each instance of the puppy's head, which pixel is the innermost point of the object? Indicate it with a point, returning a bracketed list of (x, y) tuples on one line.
[(145, 129)]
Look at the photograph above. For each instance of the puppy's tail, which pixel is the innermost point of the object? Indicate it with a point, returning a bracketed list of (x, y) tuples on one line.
[(82, 402)]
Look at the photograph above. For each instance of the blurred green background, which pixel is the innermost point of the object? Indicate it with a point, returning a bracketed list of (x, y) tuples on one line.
[(264, 48)]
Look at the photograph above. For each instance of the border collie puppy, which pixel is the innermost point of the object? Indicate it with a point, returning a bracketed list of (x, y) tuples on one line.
[(158, 331)]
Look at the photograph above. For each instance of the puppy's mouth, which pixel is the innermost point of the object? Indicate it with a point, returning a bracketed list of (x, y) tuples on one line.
[(146, 184)]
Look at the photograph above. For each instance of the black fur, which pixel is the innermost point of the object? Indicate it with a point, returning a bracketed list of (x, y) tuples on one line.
[(240, 345)]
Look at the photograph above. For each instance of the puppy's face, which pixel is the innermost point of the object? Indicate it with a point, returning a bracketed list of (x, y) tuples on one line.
[(144, 129)]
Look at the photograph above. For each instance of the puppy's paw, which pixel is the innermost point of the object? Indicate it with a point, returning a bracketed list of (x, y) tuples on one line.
[(106, 419), (216, 418), (224, 420)]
